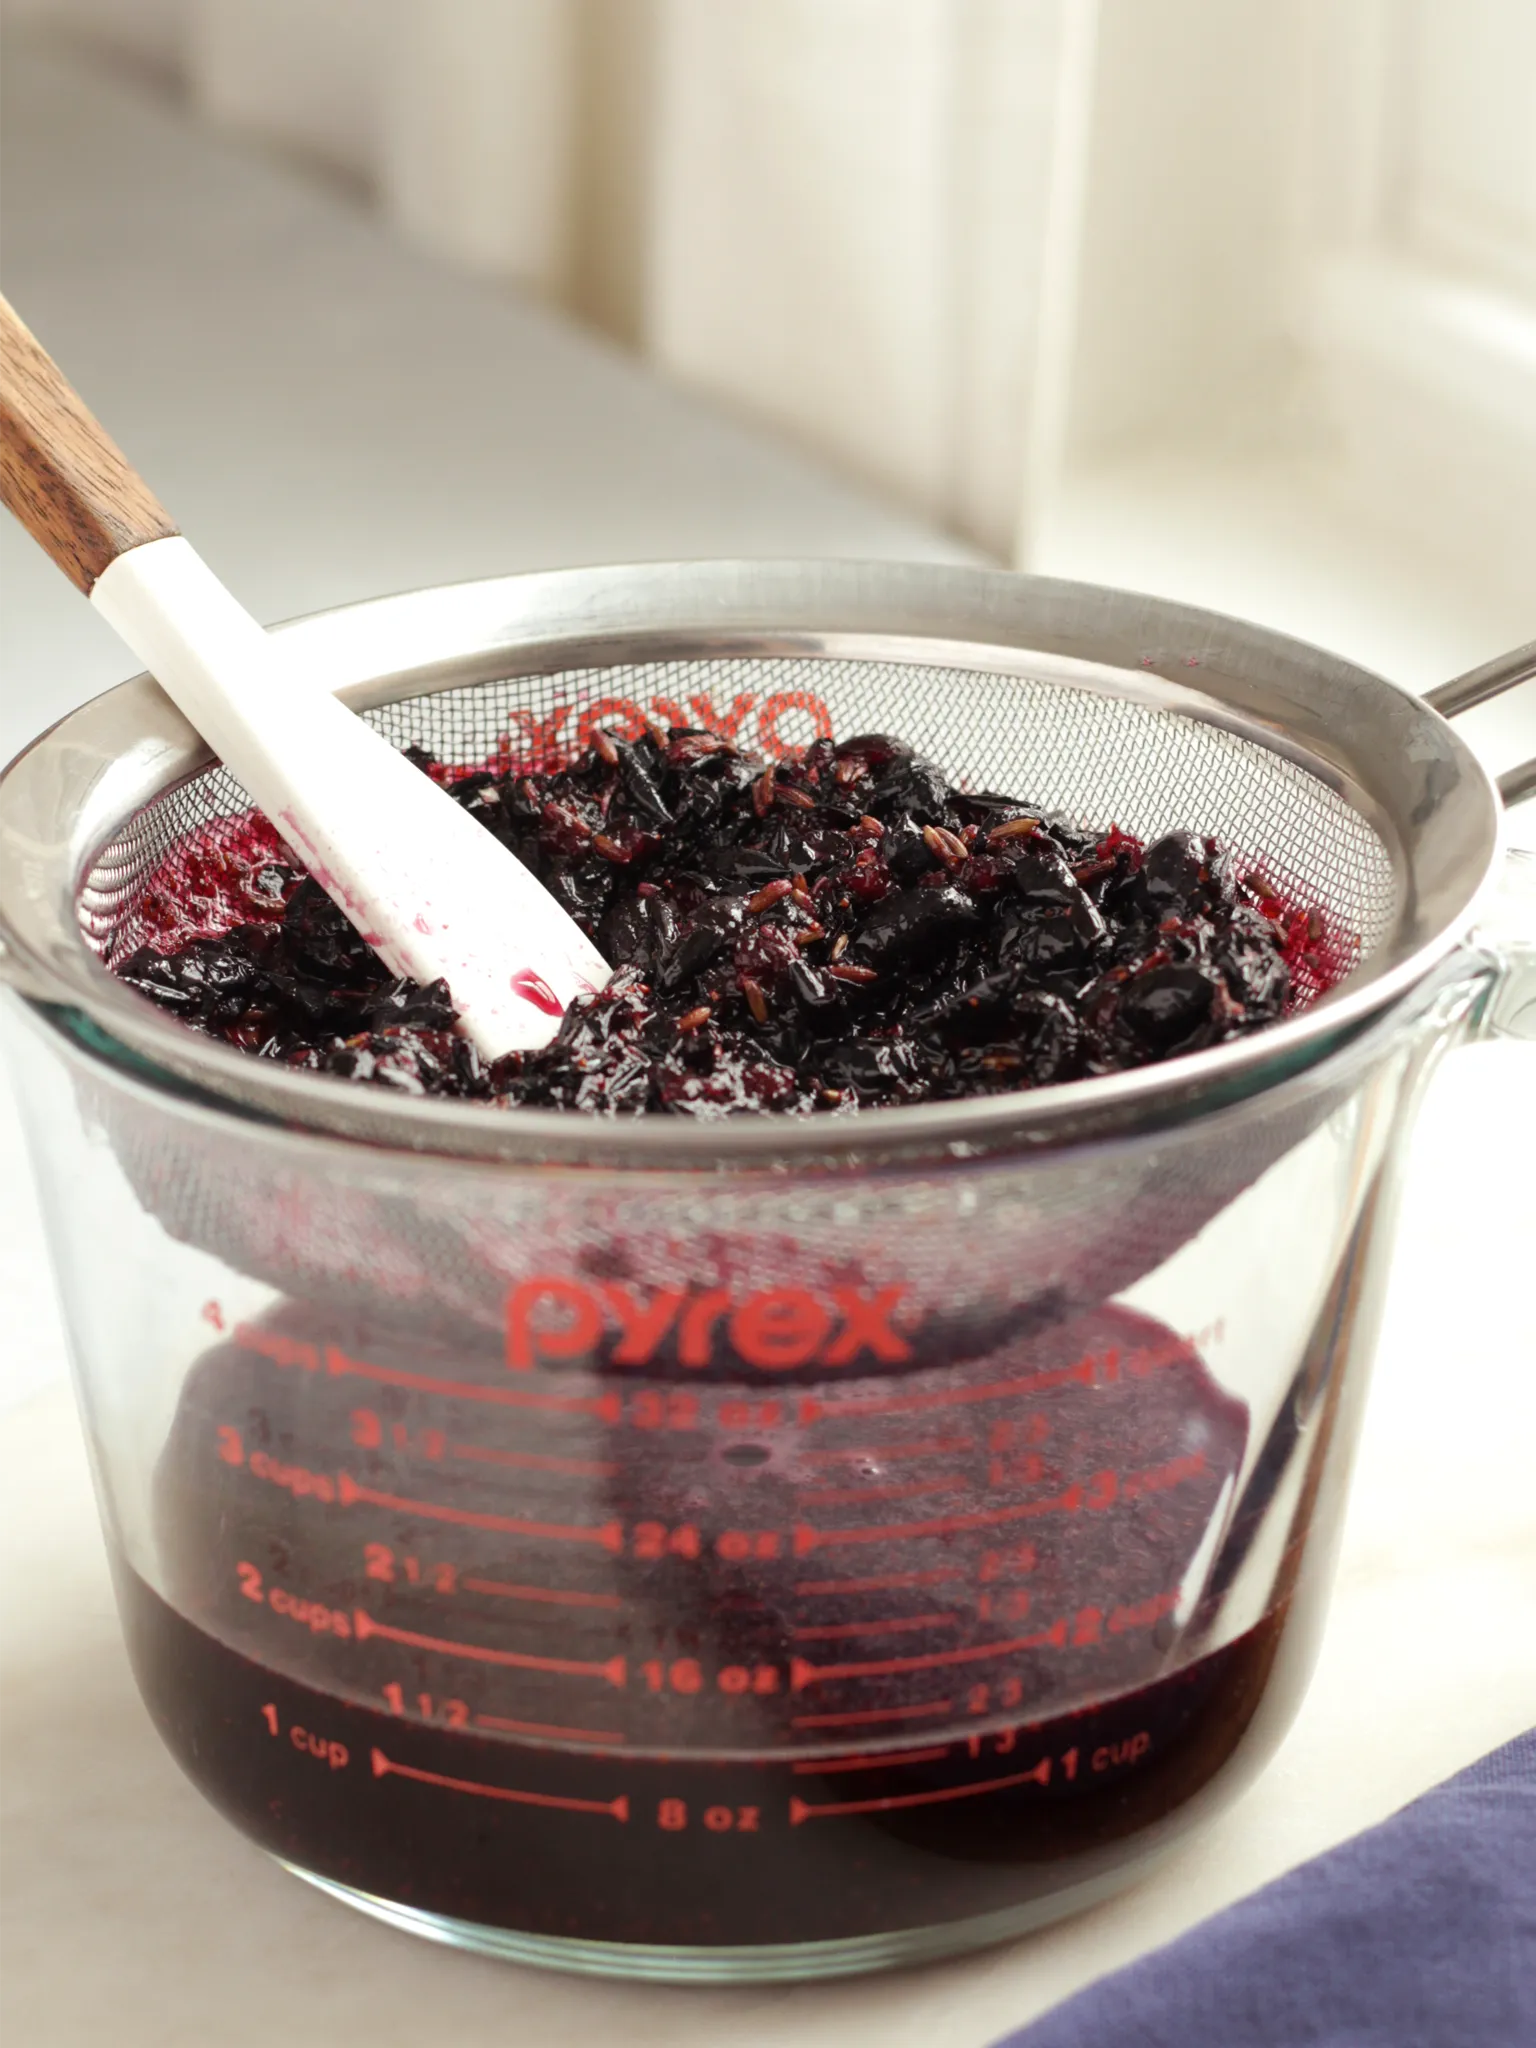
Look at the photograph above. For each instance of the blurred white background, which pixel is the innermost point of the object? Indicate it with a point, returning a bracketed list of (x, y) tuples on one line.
[(1232, 299)]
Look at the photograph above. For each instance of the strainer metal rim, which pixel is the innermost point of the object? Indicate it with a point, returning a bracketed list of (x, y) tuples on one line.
[(1398, 762)]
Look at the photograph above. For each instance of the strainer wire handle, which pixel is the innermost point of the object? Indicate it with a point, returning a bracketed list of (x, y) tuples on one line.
[(1479, 686)]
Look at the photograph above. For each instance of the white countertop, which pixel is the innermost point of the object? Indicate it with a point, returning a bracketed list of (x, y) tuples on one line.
[(135, 1915)]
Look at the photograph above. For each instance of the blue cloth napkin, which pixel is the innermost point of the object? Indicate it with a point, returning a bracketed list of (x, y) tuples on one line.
[(1418, 1934)]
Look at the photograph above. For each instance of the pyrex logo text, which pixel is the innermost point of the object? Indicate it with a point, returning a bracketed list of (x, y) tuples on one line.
[(551, 1316), (546, 740)]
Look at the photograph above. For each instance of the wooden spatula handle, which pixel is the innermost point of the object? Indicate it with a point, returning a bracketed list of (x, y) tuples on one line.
[(64, 478)]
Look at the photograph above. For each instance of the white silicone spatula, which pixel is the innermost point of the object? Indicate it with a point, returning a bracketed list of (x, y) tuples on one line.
[(434, 894)]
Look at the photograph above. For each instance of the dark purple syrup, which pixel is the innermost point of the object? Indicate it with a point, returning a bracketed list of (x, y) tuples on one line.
[(604, 1655), (601, 1846)]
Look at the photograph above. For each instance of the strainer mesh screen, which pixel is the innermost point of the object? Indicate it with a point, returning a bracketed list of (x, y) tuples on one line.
[(1095, 757)]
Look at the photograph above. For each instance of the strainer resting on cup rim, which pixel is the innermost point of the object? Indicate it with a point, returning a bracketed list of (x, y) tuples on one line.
[(1348, 793)]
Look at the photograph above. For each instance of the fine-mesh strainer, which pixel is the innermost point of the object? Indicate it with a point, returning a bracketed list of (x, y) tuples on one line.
[(1348, 794)]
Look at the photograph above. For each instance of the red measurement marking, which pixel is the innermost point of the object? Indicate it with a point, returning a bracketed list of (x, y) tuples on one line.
[(571, 1667), (936, 1447), (1159, 1477), (944, 1575), (338, 1364), (386, 1767), (948, 1525), (869, 1763), (813, 1410), (609, 1534), (802, 1674), (545, 1593), (837, 1496), (537, 1461), (274, 1345), (613, 1736), (799, 1810), (904, 1625), (927, 1710)]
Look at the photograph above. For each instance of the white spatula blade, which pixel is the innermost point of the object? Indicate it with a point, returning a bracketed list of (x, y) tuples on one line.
[(434, 893)]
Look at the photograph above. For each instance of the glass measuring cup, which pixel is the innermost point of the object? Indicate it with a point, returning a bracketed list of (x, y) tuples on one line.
[(623, 1583), (768, 1569)]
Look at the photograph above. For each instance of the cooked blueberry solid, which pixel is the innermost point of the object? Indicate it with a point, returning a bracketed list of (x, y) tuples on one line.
[(1166, 1006), (703, 935), (1043, 880), (833, 933), (912, 924)]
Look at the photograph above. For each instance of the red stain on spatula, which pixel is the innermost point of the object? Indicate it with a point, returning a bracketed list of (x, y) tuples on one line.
[(534, 989)]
